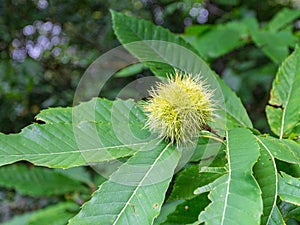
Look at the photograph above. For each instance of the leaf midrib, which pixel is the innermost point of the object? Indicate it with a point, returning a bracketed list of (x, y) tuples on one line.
[(228, 181), (276, 178), (139, 184), (288, 101), (76, 151)]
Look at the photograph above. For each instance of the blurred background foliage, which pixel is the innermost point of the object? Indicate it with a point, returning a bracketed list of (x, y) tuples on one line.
[(45, 47)]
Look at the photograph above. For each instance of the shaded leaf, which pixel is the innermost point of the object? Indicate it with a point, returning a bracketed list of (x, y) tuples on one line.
[(78, 173), (187, 211), (43, 182), (166, 209), (234, 34), (211, 186), (130, 70), (282, 18), (289, 188), (278, 49), (188, 180), (290, 211), (52, 215)]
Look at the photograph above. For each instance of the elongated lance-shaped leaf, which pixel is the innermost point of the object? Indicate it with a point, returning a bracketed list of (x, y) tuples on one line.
[(266, 175), (289, 189), (118, 132), (283, 111), (284, 149), (95, 110), (134, 193), (238, 199), (162, 51)]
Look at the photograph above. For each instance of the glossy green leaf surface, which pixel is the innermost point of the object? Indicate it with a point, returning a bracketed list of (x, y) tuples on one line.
[(100, 131), (285, 150), (265, 172), (283, 111), (276, 217), (236, 200), (135, 192)]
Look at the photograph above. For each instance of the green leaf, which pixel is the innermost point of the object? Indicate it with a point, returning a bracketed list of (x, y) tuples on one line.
[(187, 211), (220, 170), (129, 29), (289, 168), (283, 112), (290, 211), (166, 209), (227, 2), (130, 70), (134, 194), (52, 215), (95, 110), (265, 173), (276, 217), (162, 51), (238, 199), (19, 220), (277, 49), (78, 174), (233, 35), (188, 180), (64, 145), (211, 186), (43, 182), (282, 18), (284, 149), (289, 189)]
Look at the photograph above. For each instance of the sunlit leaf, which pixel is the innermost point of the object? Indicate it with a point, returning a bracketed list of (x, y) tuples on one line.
[(134, 194), (265, 173), (283, 111), (236, 200)]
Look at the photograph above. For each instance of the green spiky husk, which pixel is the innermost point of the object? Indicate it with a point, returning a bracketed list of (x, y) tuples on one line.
[(179, 109)]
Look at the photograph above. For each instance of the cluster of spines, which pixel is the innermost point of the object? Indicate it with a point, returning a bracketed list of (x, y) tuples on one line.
[(180, 108)]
